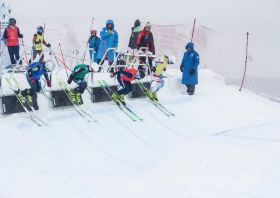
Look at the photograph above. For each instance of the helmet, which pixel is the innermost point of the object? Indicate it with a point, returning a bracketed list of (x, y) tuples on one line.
[(12, 21), (140, 74), (93, 31), (40, 29), (172, 59), (95, 67), (49, 66)]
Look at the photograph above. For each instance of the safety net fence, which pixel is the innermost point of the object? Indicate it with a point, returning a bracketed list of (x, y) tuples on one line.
[(223, 53)]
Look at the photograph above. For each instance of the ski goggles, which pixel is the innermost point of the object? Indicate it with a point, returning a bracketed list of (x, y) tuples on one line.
[(12, 24), (41, 31), (148, 26)]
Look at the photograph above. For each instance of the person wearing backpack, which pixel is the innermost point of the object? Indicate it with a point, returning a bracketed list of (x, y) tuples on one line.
[(93, 42)]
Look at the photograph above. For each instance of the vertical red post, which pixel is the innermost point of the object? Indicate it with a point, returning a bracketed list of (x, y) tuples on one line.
[(245, 62), (193, 29)]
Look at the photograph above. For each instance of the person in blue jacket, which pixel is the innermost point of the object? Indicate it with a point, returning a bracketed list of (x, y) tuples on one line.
[(109, 39), (189, 66), (93, 42)]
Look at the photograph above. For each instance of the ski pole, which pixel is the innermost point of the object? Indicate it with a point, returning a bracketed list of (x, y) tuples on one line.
[(89, 35), (144, 52), (27, 76), (63, 59), (24, 51), (109, 60)]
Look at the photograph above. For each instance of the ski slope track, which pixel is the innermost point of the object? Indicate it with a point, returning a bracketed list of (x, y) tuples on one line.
[(221, 143)]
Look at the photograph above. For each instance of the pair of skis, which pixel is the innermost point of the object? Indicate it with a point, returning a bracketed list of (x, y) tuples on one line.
[(154, 102), (37, 120), (109, 93), (78, 106)]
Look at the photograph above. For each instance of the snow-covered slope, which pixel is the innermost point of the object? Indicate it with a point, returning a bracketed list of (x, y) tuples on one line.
[(222, 143)]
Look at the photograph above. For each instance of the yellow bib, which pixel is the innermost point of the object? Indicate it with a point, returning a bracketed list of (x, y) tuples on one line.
[(40, 45)]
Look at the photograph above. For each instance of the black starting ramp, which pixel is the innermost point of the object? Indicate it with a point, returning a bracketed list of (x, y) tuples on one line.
[(60, 99), (10, 104)]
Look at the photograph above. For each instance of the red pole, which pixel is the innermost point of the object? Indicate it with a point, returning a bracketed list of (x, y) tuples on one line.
[(193, 29), (109, 60), (245, 62), (144, 52), (87, 42)]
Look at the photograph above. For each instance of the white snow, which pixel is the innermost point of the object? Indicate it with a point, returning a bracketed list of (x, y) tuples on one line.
[(222, 143)]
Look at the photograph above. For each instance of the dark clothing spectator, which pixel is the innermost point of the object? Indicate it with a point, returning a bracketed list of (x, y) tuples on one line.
[(134, 34)]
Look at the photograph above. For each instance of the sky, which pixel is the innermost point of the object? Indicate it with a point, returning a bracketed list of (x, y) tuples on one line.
[(261, 18)]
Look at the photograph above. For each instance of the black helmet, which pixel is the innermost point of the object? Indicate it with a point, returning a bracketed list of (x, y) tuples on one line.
[(140, 74), (12, 21), (40, 29)]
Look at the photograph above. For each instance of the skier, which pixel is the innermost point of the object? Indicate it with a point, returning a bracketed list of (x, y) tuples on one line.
[(12, 34), (146, 39), (33, 75), (189, 66), (125, 77), (109, 39), (160, 66), (78, 76), (38, 41), (94, 42)]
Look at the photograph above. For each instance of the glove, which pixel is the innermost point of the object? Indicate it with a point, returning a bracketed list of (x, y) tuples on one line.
[(49, 83), (115, 48), (38, 42), (164, 69), (6, 37), (182, 68), (112, 75), (153, 69), (154, 52), (110, 31), (149, 53), (110, 28), (70, 79), (48, 45), (192, 71), (89, 68), (20, 36), (32, 80)]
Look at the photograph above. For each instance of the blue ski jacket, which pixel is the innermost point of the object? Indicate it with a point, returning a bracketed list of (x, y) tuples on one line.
[(37, 70), (190, 61), (108, 40)]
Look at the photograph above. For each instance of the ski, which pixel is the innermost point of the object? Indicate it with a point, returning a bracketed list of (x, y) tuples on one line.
[(81, 106), (66, 92), (24, 107), (31, 106), (118, 105), (123, 104), (152, 101), (157, 102)]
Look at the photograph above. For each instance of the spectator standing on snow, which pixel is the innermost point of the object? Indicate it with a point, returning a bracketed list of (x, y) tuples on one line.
[(189, 66), (109, 39), (12, 34), (134, 34), (93, 42), (146, 39)]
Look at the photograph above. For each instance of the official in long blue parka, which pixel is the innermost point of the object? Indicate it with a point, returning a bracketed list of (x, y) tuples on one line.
[(109, 39), (189, 66)]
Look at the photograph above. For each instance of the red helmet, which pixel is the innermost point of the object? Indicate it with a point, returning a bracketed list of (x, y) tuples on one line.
[(93, 31)]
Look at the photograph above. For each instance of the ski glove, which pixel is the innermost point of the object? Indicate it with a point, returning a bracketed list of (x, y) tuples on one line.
[(182, 68), (32, 80), (192, 71), (153, 69), (38, 42), (6, 37), (48, 45), (112, 75), (70, 79), (20, 36), (49, 83), (154, 52)]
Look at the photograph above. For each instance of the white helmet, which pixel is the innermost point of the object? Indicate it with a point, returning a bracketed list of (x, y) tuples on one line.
[(95, 67), (49, 66), (172, 59)]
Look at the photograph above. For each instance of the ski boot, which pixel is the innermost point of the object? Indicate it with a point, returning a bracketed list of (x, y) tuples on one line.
[(121, 98), (78, 98), (155, 96), (21, 98), (29, 99), (72, 96), (149, 94), (115, 97)]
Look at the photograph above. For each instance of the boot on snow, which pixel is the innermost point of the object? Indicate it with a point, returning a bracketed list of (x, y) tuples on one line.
[(78, 98), (72, 95), (121, 98), (155, 96), (22, 99), (149, 94), (29, 99)]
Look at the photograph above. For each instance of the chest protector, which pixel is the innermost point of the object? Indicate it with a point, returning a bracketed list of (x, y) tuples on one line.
[(13, 37), (40, 45)]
